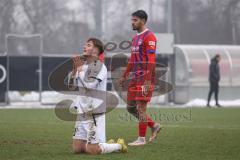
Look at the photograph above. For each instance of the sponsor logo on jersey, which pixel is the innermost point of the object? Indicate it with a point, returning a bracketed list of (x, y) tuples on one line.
[(151, 43), (135, 49), (140, 41)]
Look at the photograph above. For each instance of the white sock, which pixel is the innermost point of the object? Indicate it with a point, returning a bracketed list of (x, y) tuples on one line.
[(109, 148), (142, 138)]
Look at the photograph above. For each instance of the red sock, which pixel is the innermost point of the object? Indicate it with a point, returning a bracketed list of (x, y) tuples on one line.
[(150, 122), (142, 129)]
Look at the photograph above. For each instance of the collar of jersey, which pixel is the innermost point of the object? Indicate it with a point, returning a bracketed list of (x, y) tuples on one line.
[(142, 32)]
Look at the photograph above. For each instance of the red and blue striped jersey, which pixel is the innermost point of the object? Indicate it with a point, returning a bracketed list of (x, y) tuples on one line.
[(143, 57)]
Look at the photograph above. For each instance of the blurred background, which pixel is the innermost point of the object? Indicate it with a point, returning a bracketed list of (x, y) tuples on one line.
[(65, 25), (38, 35)]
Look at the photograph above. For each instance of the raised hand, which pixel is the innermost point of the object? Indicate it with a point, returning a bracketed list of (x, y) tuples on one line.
[(77, 63)]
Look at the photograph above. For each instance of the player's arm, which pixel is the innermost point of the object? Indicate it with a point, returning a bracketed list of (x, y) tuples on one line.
[(150, 44), (129, 67), (127, 71), (71, 81), (77, 63)]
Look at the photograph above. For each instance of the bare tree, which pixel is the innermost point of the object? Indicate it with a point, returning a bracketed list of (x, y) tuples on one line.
[(206, 21), (6, 9)]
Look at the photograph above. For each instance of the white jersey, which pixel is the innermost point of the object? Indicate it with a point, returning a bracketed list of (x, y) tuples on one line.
[(86, 103), (91, 130), (100, 84)]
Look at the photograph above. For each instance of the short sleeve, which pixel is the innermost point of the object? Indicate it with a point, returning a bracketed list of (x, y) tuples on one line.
[(150, 43)]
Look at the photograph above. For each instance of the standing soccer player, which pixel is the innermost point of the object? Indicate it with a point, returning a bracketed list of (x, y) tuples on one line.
[(141, 72), (90, 76)]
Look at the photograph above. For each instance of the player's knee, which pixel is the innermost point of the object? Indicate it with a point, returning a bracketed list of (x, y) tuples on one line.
[(141, 115), (78, 147), (141, 110), (77, 150)]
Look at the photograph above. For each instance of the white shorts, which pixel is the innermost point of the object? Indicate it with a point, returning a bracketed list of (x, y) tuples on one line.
[(87, 130)]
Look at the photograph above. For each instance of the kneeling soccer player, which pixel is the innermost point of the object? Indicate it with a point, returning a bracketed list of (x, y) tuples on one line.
[(91, 74)]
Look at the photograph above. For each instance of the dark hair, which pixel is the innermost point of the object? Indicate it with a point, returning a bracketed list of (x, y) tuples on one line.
[(97, 43), (215, 57), (140, 14)]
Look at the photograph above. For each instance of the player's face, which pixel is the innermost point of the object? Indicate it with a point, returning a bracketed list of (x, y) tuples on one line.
[(137, 23), (89, 49)]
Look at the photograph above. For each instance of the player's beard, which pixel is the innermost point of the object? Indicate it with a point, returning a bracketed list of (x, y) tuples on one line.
[(134, 28)]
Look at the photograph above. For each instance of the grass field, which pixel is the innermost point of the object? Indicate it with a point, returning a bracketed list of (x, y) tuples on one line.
[(188, 134)]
